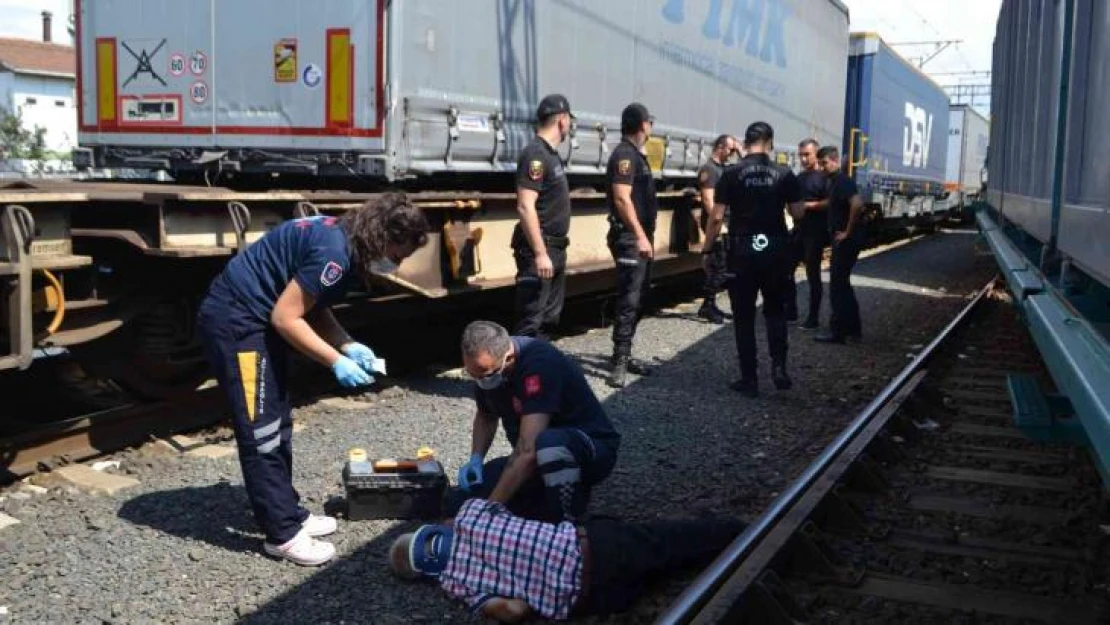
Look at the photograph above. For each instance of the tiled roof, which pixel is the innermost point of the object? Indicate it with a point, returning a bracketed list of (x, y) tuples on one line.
[(26, 56)]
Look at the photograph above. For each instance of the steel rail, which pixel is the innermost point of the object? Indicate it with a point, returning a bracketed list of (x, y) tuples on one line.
[(686, 607)]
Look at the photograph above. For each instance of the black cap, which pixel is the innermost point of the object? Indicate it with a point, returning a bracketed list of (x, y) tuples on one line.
[(552, 105), (635, 114)]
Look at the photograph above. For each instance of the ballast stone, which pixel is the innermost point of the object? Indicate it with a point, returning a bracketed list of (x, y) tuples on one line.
[(94, 482)]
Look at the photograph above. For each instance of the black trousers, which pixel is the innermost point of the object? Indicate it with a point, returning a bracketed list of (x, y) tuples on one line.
[(845, 320), (807, 248), (625, 557), (716, 269), (633, 284), (755, 273), (539, 303)]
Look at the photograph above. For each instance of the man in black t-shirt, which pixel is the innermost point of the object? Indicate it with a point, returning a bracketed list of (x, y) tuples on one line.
[(716, 266), (540, 239), (810, 234), (755, 192), (847, 235), (633, 208)]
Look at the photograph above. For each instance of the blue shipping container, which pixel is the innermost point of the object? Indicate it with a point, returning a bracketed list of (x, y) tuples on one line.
[(898, 117)]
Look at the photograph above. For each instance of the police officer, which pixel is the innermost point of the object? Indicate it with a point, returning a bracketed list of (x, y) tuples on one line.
[(540, 239), (810, 235), (846, 231), (755, 191), (276, 295), (716, 261), (563, 443), (633, 207)]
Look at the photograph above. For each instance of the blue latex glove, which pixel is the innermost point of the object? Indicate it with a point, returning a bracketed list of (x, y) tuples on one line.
[(365, 358), (470, 475), (349, 373)]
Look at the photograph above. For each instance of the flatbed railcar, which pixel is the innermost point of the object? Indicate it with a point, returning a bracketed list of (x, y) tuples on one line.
[(1047, 215)]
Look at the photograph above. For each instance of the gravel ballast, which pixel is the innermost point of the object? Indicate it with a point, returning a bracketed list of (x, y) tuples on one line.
[(182, 546)]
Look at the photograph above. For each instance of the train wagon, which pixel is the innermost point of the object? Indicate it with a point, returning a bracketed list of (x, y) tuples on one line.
[(401, 90), (434, 96), (968, 138), (895, 125), (1048, 213)]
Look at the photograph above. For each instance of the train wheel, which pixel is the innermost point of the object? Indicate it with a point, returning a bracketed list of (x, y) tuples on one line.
[(155, 356)]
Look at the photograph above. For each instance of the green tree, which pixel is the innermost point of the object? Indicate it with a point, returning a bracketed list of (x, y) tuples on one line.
[(17, 141)]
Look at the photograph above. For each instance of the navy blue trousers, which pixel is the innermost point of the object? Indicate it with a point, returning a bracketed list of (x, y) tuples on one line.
[(250, 361), (568, 464)]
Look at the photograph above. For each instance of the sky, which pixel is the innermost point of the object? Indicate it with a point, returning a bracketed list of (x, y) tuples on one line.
[(23, 18), (972, 21)]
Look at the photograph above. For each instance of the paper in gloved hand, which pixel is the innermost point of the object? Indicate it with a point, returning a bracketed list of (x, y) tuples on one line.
[(377, 365)]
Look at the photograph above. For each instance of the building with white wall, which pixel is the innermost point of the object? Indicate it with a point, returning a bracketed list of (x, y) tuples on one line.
[(38, 79)]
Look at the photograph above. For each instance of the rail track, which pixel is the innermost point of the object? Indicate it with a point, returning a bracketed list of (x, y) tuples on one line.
[(930, 507)]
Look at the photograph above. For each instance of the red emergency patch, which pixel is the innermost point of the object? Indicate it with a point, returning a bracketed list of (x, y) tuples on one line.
[(517, 405), (532, 385)]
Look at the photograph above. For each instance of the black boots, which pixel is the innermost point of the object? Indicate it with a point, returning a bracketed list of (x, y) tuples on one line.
[(617, 377), (711, 313), (748, 386), (781, 378), (623, 364)]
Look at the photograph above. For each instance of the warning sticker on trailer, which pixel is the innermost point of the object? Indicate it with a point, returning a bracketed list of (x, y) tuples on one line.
[(285, 61), (199, 92)]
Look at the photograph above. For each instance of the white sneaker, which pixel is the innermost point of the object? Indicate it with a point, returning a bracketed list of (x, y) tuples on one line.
[(317, 525), (303, 549)]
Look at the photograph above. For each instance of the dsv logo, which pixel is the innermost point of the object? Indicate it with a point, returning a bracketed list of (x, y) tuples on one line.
[(916, 133), (758, 25)]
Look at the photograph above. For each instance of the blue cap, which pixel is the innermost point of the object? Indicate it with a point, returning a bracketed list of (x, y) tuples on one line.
[(430, 549)]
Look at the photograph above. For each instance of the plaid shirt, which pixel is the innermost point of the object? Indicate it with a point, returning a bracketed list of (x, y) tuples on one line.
[(496, 554)]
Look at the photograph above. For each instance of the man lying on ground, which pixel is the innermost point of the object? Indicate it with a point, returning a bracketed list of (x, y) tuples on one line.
[(506, 567)]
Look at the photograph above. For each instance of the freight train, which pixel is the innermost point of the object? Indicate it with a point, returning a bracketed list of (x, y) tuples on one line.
[(1047, 218), (431, 96)]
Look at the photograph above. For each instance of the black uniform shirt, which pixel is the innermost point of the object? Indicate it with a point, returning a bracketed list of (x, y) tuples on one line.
[(541, 170), (815, 186), (756, 190), (544, 380), (628, 165), (708, 176), (841, 190)]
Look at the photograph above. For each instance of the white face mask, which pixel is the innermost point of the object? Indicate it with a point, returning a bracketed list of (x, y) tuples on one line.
[(383, 266)]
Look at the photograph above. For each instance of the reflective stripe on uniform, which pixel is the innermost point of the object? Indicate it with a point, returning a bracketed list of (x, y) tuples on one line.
[(572, 475), (628, 261), (269, 445), (548, 455), (266, 431)]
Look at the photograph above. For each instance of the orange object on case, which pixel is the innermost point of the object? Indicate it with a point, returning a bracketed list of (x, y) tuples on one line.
[(388, 465)]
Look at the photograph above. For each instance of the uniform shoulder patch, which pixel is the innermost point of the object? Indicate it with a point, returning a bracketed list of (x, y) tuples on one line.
[(535, 170), (703, 176), (532, 385), (331, 274), (624, 166)]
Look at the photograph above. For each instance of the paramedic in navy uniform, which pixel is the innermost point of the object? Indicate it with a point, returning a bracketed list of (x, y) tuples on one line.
[(276, 295), (755, 191), (563, 443), (540, 239), (633, 208)]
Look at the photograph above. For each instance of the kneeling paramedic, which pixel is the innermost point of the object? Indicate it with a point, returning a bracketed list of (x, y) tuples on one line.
[(756, 191), (508, 568), (275, 295), (563, 443)]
